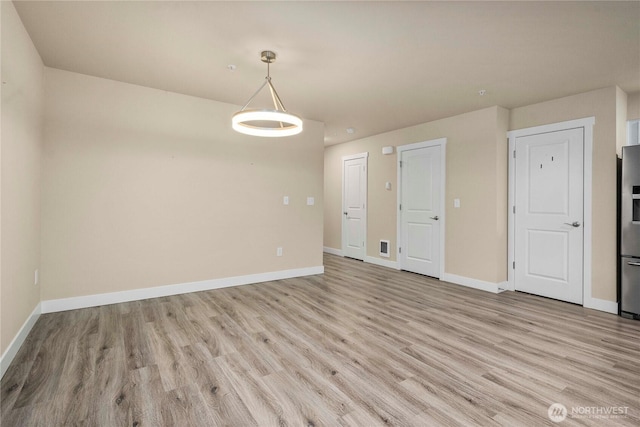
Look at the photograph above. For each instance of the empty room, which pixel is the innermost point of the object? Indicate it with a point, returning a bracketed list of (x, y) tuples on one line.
[(312, 214)]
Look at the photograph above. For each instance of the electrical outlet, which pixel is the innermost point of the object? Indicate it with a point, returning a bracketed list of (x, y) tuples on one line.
[(35, 278), (279, 252), (285, 200)]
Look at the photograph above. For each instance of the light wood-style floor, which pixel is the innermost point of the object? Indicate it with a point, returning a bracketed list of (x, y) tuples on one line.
[(360, 345)]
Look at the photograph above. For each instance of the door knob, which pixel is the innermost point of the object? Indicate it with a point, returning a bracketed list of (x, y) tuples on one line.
[(435, 217), (573, 224), (344, 213)]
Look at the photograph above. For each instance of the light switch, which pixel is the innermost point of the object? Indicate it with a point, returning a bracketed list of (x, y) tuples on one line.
[(310, 201), (285, 200), (387, 185), (456, 203)]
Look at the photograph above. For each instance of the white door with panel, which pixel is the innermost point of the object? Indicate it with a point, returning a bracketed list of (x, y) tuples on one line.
[(549, 213), (354, 203), (420, 210)]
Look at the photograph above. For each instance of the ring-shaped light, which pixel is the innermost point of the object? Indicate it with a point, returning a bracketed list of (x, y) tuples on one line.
[(284, 124), (269, 123)]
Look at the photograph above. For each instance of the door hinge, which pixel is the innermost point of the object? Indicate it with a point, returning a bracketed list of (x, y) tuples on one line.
[(399, 249), (514, 154), (514, 265), (400, 206), (514, 209), (400, 163)]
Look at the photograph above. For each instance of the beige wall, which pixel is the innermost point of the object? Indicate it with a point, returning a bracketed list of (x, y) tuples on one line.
[(476, 163), (621, 120), (145, 188), (477, 174), (502, 186), (633, 106), (22, 106), (601, 104)]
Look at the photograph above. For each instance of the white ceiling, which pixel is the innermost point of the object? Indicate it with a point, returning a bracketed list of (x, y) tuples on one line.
[(373, 66)]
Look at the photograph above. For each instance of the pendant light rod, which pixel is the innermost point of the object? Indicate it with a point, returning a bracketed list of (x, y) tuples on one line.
[(253, 96), (275, 96), (277, 102)]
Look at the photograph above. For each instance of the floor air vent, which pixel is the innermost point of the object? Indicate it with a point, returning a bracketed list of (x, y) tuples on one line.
[(384, 248)]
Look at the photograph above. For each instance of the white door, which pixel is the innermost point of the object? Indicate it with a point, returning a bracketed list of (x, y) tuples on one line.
[(354, 213), (420, 210), (549, 214)]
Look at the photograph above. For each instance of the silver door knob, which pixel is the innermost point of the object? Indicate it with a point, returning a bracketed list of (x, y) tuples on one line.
[(344, 213), (573, 224), (435, 217)]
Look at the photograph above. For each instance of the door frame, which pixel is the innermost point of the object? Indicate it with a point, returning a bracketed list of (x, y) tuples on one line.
[(442, 142), (364, 156), (587, 125)]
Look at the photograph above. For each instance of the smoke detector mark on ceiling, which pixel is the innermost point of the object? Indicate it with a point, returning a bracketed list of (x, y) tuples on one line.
[(482, 92)]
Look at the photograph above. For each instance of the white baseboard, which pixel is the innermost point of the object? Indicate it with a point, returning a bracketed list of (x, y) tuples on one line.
[(472, 283), (592, 303), (52, 306), (332, 251), (601, 304), (503, 286), (18, 340), (381, 262)]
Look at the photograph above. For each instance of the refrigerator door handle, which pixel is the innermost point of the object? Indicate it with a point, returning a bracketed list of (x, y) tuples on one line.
[(635, 264)]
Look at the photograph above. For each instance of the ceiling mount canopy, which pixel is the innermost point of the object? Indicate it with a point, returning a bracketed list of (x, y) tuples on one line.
[(267, 122)]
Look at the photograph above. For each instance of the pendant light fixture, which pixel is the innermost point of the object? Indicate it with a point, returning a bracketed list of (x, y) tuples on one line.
[(266, 122)]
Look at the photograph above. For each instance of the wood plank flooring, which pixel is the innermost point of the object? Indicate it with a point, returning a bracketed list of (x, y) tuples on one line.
[(360, 345)]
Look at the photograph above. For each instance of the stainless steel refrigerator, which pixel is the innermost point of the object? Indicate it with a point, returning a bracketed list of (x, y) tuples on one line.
[(630, 233)]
